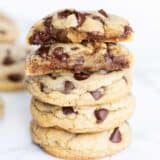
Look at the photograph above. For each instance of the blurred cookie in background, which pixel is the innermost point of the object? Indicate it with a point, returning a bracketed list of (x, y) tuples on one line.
[(8, 29), (1, 108), (12, 60)]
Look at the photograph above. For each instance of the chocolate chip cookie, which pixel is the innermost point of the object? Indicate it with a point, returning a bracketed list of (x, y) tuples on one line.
[(81, 146), (83, 119), (8, 29), (74, 26), (79, 58), (12, 59), (65, 88)]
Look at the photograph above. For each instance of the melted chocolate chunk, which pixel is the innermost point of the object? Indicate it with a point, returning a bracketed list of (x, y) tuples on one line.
[(59, 54), (68, 87), (65, 13), (80, 18), (127, 30), (82, 75), (97, 94), (101, 11), (39, 37), (116, 136), (41, 86), (48, 24), (8, 61), (99, 19), (101, 114), (43, 51), (68, 110), (15, 77)]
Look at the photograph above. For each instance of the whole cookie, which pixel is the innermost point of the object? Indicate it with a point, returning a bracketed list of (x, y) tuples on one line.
[(81, 146), (8, 29), (75, 26), (83, 119), (84, 58), (12, 59), (64, 88), (1, 107)]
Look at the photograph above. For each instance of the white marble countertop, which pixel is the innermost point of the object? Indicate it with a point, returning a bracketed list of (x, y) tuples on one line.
[(14, 127)]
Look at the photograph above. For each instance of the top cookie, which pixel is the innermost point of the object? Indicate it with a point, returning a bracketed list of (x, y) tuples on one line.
[(8, 29), (74, 26)]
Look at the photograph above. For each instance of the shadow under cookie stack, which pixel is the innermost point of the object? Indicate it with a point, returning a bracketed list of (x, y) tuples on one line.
[(80, 79)]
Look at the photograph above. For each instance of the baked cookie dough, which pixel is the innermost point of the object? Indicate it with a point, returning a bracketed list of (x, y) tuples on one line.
[(8, 29), (88, 57), (1, 108), (75, 26), (81, 146), (12, 60), (83, 119), (64, 88)]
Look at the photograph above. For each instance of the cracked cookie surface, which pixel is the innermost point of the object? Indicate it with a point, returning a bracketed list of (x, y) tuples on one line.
[(8, 29), (85, 58), (77, 26), (83, 119), (12, 60), (64, 89), (81, 146)]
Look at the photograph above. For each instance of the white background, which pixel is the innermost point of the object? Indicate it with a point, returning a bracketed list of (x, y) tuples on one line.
[(144, 16)]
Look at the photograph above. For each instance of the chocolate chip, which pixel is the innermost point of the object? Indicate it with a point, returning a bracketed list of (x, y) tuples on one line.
[(127, 30), (68, 87), (80, 60), (43, 51), (80, 18), (101, 11), (2, 32), (48, 24), (39, 37), (68, 110), (99, 19), (15, 77), (41, 86), (82, 75), (116, 136), (101, 114), (65, 13), (59, 54), (125, 79), (8, 60), (97, 94)]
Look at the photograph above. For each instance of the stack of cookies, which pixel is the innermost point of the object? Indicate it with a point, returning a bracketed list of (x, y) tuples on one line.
[(80, 79), (12, 57)]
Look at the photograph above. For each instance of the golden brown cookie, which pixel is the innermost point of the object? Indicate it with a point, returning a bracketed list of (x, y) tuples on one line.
[(63, 88), (12, 60), (74, 26), (81, 146), (83, 119), (79, 58), (8, 29)]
